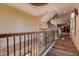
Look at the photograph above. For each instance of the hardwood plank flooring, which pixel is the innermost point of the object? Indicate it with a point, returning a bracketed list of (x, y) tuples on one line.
[(63, 47)]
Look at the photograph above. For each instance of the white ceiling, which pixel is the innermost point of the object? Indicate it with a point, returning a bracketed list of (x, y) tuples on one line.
[(36, 11)]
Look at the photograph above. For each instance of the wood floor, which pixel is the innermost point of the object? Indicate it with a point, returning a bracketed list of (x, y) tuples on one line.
[(63, 47)]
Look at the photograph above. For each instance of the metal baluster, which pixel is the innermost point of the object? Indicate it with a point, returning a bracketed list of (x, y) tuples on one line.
[(7, 46), (38, 47), (46, 39), (24, 45), (20, 44), (14, 46), (54, 34), (36, 44), (28, 44), (31, 44)]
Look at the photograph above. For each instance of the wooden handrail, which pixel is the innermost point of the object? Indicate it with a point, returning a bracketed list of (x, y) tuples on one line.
[(20, 33)]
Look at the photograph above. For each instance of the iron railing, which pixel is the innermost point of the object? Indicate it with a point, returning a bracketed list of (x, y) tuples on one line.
[(25, 44)]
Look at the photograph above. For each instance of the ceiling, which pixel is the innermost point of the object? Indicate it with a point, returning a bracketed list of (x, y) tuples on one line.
[(46, 9), (41, 9)]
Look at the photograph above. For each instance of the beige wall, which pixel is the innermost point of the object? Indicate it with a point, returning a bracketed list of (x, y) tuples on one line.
[(12, 20), (76, 38)]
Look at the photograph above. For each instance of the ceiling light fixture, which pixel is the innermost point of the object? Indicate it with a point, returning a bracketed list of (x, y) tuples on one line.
[(38, 4)]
